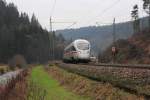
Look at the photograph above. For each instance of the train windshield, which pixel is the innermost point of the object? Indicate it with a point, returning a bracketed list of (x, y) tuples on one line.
[(83, 46)]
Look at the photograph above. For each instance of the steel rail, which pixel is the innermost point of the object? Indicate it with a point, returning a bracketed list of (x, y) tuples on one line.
[(139, 66)]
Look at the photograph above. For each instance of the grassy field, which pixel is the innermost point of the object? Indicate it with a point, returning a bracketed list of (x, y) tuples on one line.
[(53, 90)]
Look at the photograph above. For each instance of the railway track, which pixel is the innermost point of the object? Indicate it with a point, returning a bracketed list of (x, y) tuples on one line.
[(138, 66), (131, 78)]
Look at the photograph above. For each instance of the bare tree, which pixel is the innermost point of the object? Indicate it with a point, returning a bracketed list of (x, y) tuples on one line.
[(146, 7)]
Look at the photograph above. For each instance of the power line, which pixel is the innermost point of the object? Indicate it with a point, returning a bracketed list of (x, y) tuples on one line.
[(71, 25), (100, 14), (51, 30), (51, 22), (61, 22), (114, 31), (111, 6), (52, 48), (101, 23), (105, 10), (53, 8), (51, 40)]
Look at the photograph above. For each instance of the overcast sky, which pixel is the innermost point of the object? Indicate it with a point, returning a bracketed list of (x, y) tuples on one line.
[(84, 12)]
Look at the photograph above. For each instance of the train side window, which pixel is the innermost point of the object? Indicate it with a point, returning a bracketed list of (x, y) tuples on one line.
[(67, 50), (73, 48)]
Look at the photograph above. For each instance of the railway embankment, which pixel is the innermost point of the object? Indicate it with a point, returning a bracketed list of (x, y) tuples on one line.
[(96, 90), (133, 80)]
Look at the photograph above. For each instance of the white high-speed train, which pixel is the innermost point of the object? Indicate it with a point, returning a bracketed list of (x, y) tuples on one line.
[(77, 51)]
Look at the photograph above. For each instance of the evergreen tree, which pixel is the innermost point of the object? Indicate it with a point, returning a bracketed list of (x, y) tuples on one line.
[(21, 35), (135, 17)]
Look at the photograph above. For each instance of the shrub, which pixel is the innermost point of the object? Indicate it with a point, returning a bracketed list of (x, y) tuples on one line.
[(17, 61)]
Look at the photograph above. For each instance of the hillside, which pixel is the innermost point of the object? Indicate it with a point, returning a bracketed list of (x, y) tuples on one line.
[(101, 37), (142, 40), (134, 50)]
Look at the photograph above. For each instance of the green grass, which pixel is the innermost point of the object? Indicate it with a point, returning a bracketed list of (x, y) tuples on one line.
[(52, 87)]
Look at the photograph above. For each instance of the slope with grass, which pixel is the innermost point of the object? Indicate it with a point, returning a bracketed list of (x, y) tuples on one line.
[(53, 90), (89, 88)]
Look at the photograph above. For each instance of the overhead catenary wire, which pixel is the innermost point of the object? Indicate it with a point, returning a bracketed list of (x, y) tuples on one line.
[(67, 27), (52, 49), (65, 22), (53, 8), (51, 14), (108, 8), (71, 25), (52, 22), (99, 15), (105, 10), (102, 24)]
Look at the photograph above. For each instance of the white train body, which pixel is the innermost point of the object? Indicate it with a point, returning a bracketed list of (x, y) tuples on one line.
[(79, 50)]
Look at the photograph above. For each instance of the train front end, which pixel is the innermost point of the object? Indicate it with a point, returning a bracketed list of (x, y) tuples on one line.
[(83, 49)]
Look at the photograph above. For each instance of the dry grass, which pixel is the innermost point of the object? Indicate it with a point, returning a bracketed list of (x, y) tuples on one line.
[(19, 92), (85, 87), (132, 80)]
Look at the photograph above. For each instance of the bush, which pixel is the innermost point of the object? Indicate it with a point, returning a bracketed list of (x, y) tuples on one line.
[(17, 61), (2, 71), (126, 52)]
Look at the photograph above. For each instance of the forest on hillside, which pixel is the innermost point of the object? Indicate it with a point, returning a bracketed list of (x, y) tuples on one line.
[(24, 36)]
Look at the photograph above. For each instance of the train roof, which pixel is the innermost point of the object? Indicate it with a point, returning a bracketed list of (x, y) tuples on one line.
[(76, 41), (80, 40)]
